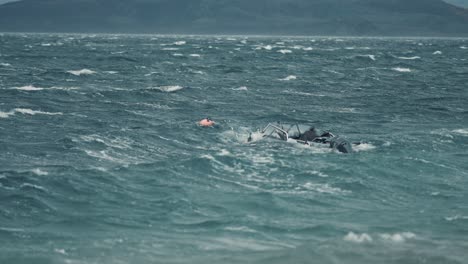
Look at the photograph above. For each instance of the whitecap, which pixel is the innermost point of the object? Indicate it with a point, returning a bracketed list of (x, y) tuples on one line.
[(29, 88), (370, 56), (308, 49), (409, 58), (60, 251), (267, 47), (180, 43), (39, 172), (6, 114), (284, 51), (240, 228), (398, 69), (170, 88), (5, 64), (456, 217), (438, 52), (177, 54), (357, 238), (195, 55), (323, 188), (82, 72), (170, 49), (289, 78), (29, 185), (398, 237), (461, 131), (463, 47), (111, 72), (243, 41), (363, 147), (26, 111), (242, 88)]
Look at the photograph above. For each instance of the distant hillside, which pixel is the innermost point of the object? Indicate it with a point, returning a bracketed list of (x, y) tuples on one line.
[(291, 17)]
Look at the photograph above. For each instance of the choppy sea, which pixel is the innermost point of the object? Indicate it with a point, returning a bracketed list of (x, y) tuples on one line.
[(102, 160)]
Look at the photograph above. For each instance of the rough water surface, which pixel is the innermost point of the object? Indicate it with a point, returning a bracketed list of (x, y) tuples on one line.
[(102, 161)]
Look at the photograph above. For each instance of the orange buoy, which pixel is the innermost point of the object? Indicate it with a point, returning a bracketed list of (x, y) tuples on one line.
[(206, 122)]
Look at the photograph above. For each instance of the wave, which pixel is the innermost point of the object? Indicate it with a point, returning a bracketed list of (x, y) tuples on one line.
[(177, 54), (409, 58), (170, 49), (26, 111), (438, 52), (29, 88), (289, 78), (170, 88), (82, 72), (285, 51), (39, 172), (5, 64), (456, 217), (463, 132), (399, 69), (265, 47), (364, 147), (195, 55), (357, 238), (398, 237), (33, 88), (362, 238), (242, 88), (463, 47), (370, 56), (180, 43)]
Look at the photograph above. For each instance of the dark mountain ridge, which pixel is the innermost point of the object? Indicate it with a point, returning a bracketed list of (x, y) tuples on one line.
[(291, 17)]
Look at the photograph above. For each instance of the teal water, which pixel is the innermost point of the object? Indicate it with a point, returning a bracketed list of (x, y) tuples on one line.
[(101, 159)]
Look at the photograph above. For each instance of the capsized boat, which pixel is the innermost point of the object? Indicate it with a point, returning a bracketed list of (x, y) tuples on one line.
[(306, 136)]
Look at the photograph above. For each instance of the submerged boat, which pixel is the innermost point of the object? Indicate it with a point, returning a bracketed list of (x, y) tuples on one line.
[(305, 136)]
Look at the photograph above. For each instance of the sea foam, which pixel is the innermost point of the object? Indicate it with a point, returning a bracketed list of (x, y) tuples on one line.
[(289, 78), (284, 51), (26, 111), (399, 69), (409, 58), (357, 238), (463, 132), (82, 72), (170, 88)]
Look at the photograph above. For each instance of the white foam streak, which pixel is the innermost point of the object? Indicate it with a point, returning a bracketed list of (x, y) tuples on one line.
[(398, 69), (357, 238), (26, 111), (289, 78), (39, 172), (170, 89), (242, 88), (398, 237), (29, 88), (284, 51), (363, 147), (456, 217), (463, 131), (82, 72), (409, 58)]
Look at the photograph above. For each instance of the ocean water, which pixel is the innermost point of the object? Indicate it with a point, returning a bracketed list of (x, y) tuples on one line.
[(102, 160)]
